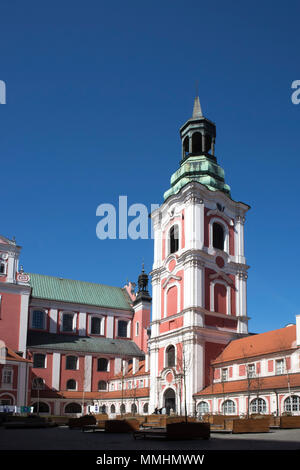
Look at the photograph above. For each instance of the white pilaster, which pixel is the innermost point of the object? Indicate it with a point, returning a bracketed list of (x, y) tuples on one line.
[(23, 322), (53, 314), (88, 373), (110, 326), (56, 371), (21, 400), (82, 324)]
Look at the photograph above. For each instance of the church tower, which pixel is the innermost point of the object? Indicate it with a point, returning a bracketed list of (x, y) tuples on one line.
[(199, 272)]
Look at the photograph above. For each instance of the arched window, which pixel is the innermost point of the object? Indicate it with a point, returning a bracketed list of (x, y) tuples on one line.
[(186, 146), (197, 142), (122, 409), (229, 407), (146, 408), (96, 326), (112, 409), (102, 365), (218, 236), (71, 362), (133, 408), (40, 407), (174, 239), (203, 408), (292, 404), (71, 384), (103, 409), (170, 356), (102, 385), (73, 408), (207, 143), (38, 319), (258, 405)]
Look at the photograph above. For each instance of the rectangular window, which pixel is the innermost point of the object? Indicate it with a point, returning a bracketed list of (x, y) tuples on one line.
[(39, 361), (224, 375), (251, 370), (7, 377), (71, 362), (279, 366), (38, 319), (67, 322), (122, 329)]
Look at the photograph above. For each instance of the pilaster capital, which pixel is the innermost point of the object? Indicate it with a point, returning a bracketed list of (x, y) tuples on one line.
[(240, 219), (242, 275)]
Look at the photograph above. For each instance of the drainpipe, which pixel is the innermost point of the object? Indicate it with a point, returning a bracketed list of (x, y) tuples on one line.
[(277, 404)]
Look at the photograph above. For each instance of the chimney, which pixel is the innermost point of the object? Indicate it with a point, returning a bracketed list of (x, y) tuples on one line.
[(135, 365), (298, 330)]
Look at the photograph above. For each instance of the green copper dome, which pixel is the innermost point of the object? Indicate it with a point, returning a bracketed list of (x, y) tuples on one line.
[(201, 169), (198, 160)]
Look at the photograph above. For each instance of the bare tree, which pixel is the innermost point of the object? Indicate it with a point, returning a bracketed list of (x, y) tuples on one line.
[(184, 363)]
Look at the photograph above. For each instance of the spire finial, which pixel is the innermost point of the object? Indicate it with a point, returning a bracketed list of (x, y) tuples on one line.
[(197, 111)]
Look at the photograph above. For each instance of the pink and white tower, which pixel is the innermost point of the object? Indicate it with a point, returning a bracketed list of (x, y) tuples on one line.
[(199, 272)]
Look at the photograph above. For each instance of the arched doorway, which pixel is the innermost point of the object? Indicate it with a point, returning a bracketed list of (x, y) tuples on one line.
[(169, 400)]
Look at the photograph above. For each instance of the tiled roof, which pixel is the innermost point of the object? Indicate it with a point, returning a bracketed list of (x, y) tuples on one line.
[(82, 344), (141, 371), (13, 356), (256, 384), (133, 393), (79, 292), (260, 344)]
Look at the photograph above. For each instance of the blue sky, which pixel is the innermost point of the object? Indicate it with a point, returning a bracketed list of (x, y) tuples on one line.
[(96, 94)]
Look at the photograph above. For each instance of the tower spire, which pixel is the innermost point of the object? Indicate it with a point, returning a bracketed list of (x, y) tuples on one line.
[(197, 111)]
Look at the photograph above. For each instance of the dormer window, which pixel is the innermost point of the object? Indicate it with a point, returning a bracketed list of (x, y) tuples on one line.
[(174, 239)]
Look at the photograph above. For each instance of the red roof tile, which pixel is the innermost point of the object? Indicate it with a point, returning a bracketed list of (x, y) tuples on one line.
[(261, 383), (141, 371), (13, 356), (260, 344), (133, 393)]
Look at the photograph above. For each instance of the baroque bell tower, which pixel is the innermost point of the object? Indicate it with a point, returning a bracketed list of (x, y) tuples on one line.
[(199, 272)]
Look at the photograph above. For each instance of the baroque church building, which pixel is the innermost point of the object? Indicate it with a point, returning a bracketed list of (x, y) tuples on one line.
[(69, 347)]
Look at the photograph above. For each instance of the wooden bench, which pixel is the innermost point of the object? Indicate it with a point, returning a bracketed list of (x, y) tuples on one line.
[(249, 425), (177, 431), (79, 423), (289, 422), (121, 425)]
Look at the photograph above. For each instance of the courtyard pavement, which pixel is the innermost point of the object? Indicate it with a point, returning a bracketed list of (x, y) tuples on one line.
[(62, 438)]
